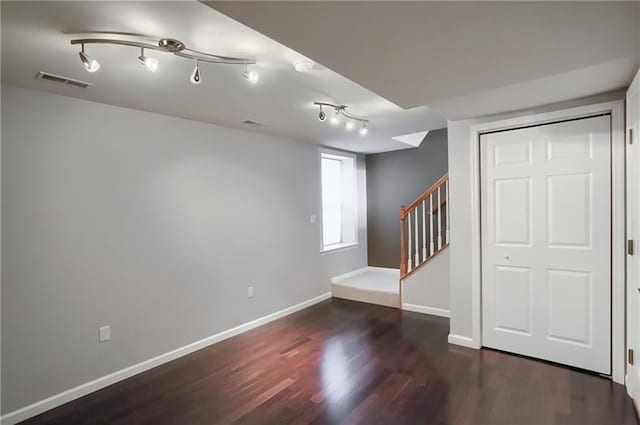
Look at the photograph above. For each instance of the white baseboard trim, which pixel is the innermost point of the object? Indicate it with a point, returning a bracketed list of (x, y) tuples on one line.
[(464, 341), (42, 406), (340, 278), (632, 383), (426, 310)]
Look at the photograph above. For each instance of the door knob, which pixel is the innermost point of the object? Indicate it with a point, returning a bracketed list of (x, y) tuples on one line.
[(506, 257)]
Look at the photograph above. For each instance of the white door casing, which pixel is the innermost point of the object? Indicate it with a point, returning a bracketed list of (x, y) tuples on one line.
[(546, 241), (633, 233)]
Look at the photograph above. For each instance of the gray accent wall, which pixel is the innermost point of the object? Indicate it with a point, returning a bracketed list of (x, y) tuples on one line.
[(151, 224), (394, 179)]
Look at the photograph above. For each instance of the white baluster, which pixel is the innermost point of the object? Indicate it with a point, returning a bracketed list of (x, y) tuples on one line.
[(447, 210), (417, 259), (439, 222), (424, 231), (431, 224), (409, 242)]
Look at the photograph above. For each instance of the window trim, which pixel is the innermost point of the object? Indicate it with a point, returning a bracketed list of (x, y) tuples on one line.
[(345, 243), (338, 247)]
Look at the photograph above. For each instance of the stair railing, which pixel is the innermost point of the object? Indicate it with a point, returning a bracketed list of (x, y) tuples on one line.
[(422, 225)]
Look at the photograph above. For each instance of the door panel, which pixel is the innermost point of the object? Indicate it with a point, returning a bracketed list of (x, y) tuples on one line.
[(569, 301), (568, 210), (570, 146), (546, 242), (512, 153), (513, 299), (512, 211)]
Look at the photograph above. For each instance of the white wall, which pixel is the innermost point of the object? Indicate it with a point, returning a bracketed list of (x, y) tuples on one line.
[(460, 215), (427, 289), (151, 224)]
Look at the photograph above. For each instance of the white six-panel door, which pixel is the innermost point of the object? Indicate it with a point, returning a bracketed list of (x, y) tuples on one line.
[(546, 242)]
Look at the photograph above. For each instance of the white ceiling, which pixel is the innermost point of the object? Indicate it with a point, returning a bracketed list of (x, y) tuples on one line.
[(36, 35), (462, 59)]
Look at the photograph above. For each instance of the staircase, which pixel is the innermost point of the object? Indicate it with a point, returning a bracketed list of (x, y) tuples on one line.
[(424, 228), (424, 234)]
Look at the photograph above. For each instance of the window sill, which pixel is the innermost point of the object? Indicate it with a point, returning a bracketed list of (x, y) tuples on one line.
[(338, 247)]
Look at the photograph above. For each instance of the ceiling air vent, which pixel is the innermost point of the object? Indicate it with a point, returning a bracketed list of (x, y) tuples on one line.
[(253, 123), (64, 80)]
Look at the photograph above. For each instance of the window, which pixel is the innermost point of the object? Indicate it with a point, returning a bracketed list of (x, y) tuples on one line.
[(339, 205)]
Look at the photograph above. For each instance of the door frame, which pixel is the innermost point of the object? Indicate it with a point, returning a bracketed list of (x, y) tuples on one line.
[(618, 223)]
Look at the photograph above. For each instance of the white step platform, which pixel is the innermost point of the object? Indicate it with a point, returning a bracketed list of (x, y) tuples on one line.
[(374, 285)]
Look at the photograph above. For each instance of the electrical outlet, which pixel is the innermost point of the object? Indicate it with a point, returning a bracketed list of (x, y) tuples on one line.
[(313, 219), (105, 333), (250, 292)]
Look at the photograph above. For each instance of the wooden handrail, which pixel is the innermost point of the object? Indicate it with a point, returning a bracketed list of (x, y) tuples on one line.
[(434, 211), (426, 194), (409, 261)]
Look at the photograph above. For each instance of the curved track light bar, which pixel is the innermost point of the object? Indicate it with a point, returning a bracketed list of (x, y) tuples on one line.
[(169, 45)]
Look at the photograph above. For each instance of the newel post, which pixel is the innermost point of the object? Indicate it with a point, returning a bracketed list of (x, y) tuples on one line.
[(403, 247)]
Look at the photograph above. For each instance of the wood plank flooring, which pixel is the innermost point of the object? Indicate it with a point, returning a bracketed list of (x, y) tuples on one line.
[(343, 362)]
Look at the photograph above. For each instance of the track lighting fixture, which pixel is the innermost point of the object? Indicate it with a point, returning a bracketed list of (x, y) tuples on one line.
[(150, 63), (165, 45), (91, 64), (251, 76), (196, 78), (340, 111)]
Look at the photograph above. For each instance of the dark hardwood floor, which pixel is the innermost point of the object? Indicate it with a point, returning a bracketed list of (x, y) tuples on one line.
[(351, 363)]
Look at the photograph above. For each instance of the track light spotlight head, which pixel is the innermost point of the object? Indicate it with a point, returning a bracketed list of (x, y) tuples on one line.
[(150, 63), (196, 78), (322, 116), (348, 125), (335, 119), (251, 76), (364, 130), (89, 63)]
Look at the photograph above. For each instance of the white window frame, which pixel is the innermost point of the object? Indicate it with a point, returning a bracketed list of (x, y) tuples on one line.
[(349, 220)]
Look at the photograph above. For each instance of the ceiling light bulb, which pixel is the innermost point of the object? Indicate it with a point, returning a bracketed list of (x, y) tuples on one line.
[(150, 63), (196, 78), (322, 116), (89, 63), (364, 130), (252, 76), (335, 119), (348, 125)]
